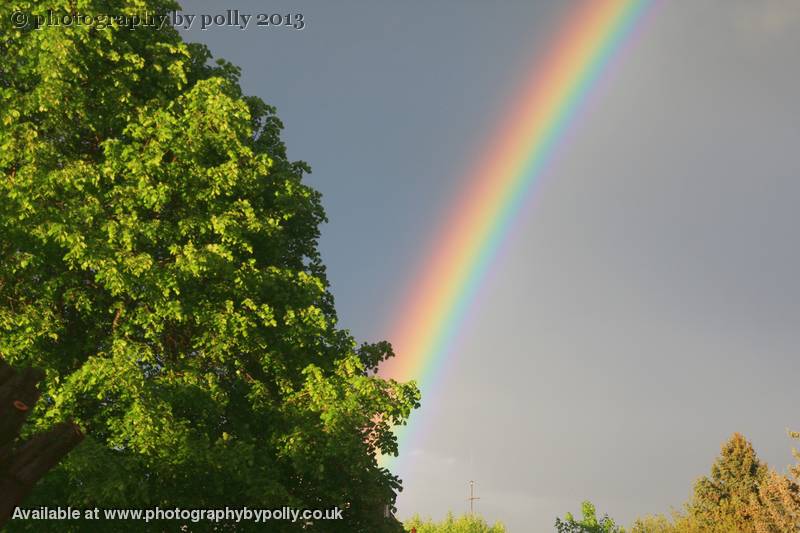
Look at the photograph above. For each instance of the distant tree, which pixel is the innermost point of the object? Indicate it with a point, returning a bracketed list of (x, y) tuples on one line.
[(681, 523), (776, 508), (653, 524), (795, 470), (725, 497), (741, 495), (463, 524), (589, 522)]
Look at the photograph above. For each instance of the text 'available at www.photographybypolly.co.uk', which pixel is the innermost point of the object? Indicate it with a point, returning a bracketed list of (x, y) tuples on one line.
[(227, 514)]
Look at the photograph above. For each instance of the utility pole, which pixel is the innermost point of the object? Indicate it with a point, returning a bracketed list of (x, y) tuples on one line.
[(472, 497)]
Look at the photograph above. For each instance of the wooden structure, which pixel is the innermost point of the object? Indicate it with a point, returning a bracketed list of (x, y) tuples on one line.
[(22, 464)]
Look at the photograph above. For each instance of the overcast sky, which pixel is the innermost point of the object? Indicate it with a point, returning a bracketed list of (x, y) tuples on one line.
[(646, 305)]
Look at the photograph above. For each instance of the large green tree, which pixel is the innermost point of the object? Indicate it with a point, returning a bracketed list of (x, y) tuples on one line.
[(158, 260)]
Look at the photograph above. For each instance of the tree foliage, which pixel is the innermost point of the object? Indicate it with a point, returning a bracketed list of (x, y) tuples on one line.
[(681, 523), (777, 507), (467, 523), (158, 259), (653, 524), (589, 522), (727, 493), (741, 494)]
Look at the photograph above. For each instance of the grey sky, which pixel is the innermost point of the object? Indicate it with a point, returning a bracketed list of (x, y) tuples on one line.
[(646, 305)]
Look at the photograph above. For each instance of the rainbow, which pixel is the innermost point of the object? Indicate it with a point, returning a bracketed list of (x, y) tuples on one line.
[(515, 157)]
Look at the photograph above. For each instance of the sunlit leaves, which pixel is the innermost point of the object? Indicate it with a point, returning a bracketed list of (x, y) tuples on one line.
[(158, 259)]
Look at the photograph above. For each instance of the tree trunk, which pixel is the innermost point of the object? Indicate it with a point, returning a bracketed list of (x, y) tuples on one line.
[(23, 464)]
